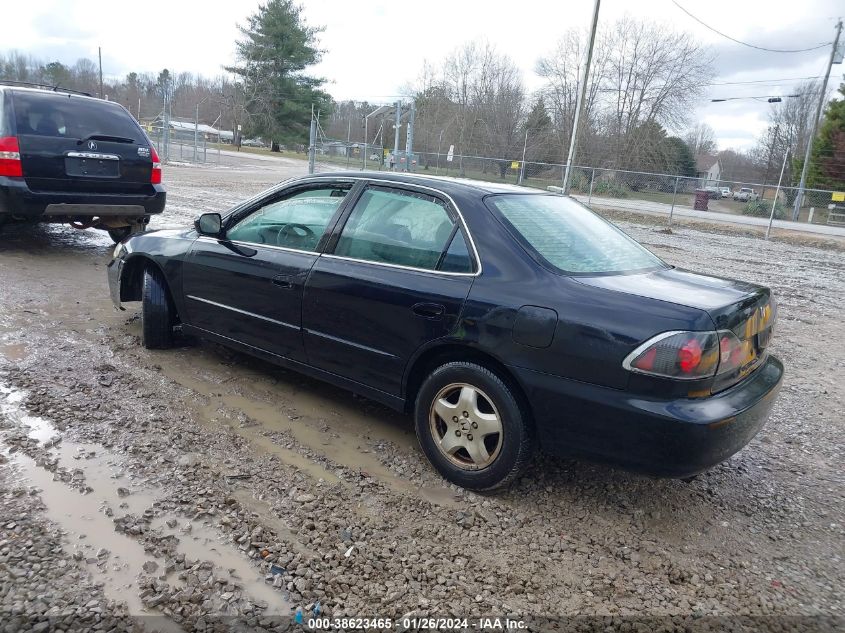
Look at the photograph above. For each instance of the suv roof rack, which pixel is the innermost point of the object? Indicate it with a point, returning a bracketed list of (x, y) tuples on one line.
[(54, 88)]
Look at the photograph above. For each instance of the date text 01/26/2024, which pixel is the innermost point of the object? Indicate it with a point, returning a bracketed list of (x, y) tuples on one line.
[(417, 623)]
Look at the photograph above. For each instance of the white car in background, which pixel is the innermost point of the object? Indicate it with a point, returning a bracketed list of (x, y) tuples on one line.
[(726, 192), (746, 194)]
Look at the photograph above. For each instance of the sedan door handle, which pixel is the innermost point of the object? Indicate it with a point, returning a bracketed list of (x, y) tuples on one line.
[(283, 281), (429, 310)]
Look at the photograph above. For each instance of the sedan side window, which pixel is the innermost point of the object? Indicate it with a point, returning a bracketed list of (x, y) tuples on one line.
[(296, 222), (397, 227)]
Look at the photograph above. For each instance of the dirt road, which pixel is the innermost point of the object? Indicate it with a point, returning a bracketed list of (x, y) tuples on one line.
[(198, 487)]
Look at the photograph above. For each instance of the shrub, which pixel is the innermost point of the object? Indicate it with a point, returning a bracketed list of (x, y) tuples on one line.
[(610, 188), (579, 182), (762, 209)]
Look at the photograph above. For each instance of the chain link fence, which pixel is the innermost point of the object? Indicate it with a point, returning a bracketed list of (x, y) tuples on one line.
[(182, 145), (606, 188)]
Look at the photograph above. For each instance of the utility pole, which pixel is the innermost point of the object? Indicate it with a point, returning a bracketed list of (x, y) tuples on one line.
[(364, 155), (396, 134), (100, 55), (439, 144), (409, 137), (312, 142), (797, 206), (348, 141), (166, 122), (582, 95), (769, 160), (777, 193), (522, 164)]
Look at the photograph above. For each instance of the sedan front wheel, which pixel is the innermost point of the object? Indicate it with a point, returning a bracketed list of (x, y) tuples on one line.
[(472, 426), (157, 313)]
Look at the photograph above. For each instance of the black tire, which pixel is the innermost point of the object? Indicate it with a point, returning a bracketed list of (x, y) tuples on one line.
[(122, 232), (516, 443), (157, 313)]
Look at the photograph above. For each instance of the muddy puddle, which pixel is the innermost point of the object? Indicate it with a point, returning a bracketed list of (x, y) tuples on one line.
[(262, 510), (204, 543), (14, 352), (331, 423), (85, 516)]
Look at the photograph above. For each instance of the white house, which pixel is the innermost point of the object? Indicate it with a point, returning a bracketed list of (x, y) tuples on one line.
[(708, 169)]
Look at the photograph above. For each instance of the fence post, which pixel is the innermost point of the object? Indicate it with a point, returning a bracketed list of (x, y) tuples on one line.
[(674, 193), (592, 180)]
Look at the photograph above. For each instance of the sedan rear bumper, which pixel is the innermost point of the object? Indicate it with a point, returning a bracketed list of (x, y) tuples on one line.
[(668, 438)]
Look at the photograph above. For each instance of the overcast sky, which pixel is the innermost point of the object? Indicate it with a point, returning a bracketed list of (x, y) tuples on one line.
[(373, 48)]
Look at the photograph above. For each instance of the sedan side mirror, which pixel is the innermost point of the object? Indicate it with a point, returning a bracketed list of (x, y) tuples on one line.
[(209, 224)]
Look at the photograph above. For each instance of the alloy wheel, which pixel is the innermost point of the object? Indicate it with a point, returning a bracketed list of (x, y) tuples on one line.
[(466, 426)]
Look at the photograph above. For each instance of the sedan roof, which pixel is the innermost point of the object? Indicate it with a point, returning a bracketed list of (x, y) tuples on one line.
[(447, 184)]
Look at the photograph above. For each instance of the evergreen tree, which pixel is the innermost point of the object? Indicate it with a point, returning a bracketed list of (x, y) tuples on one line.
[(538, 118), (57, 74), (827, 158), (679, 158), (538, 124), (277, 47)]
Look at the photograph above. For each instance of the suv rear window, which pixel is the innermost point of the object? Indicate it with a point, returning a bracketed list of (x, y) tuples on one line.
[(68, 116), (568, 236)]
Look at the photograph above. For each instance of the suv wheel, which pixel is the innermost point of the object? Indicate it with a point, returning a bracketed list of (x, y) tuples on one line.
[(122, 232), (472, 426), (157, 313)]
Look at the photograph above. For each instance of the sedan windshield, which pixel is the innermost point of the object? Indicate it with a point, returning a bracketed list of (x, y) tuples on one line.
[(568, 236)]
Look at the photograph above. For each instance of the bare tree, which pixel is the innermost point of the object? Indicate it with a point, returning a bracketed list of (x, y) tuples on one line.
[(701, 139), (643, 72), (562, 71), (476, 98), (788, 129)]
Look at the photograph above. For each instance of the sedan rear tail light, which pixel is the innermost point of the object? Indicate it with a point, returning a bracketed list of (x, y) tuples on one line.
[(155, 175), (680, 355), (733, 353), (693, 355), (10, 157)]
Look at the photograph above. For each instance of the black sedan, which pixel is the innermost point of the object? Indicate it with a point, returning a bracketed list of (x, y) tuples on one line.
[(503, 318)]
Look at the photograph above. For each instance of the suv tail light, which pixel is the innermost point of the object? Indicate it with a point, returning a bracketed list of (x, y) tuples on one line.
[(680, 355), (155, 175), (10, 157)]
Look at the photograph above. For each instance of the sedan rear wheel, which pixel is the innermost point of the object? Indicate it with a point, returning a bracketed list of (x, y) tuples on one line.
[(473, 426), (466, 426)]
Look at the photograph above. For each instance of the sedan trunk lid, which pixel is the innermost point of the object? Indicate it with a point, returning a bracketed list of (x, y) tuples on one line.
[(746, 309)]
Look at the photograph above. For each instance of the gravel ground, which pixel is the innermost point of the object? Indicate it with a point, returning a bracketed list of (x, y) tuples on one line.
[(199, 489)]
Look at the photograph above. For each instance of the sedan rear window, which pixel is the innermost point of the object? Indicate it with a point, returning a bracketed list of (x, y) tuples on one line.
[(568, 236), (68, 116)]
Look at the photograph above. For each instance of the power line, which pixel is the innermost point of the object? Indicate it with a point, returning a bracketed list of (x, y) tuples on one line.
[(759, 48), (757, 82), (761, 81), (768, 97)]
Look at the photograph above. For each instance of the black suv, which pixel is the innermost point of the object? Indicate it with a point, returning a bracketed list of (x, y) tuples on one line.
[(68, 157)]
